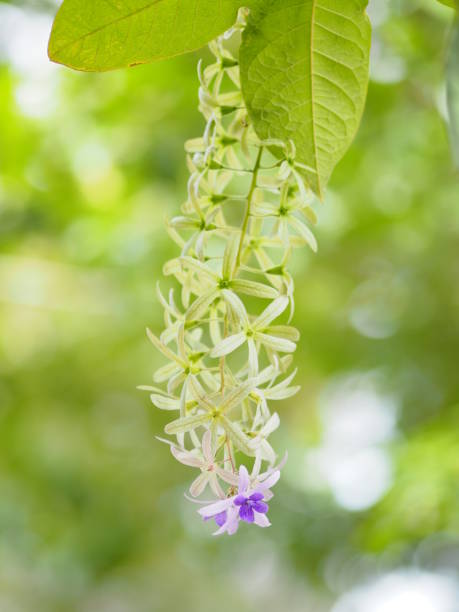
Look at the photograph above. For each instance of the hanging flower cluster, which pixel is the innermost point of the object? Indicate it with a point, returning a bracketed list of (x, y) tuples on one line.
[(228, 353)]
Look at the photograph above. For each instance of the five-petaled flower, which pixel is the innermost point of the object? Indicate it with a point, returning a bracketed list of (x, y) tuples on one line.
[(210, 470), (249, 505)]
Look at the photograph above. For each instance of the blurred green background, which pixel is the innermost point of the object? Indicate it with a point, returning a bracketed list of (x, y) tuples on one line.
[(92, 515)]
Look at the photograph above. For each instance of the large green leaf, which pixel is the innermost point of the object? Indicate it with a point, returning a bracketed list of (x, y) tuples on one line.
[(452, 84), (98, 35), (304, 70)]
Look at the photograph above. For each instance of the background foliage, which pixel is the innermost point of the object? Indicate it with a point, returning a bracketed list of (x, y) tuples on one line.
[(91, 509)]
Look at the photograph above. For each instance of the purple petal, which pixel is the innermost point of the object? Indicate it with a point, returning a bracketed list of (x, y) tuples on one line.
[(244, 479), (220, 519), (246, 513), (239, 500), (257, 496), (260, 507)]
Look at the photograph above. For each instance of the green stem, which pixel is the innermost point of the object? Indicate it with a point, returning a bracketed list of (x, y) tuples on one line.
[(245, 222)]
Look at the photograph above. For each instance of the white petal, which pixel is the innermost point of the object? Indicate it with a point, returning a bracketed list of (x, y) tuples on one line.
[(236, 435), (200, 305), (194, 439), (181, 342), (267, 374), (166, 351), (277, 344), (207, 446), (283, 232), (168, 306), (253, 288), (214, 327), (253, 358), (183, 398), (199, 484), (281, 394), (215, 485), (195, 145), (270, 481), (256, 466), (301, 185), (165, 403), (282, 389), (232, 523), (213, 382), (200, 268), (175, 381), (284, 170), (267, 451), (185, 223), (304, 232), (199, 246), (186, 424), (237, 305), (270, 426), (284, 331), (283, 461), (216, 508), (228, 477), (149, 388), (199, 393), (166, 372), (186, 458), (274, 310), (230, 256), (261, 520), (236, 396), (265, 209), (244, 480), (228, 345)]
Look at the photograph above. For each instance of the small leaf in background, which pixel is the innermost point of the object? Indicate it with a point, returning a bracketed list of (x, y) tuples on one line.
[(107, 34), (452, 88), (304, 71)]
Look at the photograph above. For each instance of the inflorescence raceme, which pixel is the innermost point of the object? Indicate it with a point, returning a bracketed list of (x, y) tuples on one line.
[(228, 355)]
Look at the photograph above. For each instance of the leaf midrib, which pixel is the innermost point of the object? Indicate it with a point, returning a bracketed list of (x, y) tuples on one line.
[(313, 125)]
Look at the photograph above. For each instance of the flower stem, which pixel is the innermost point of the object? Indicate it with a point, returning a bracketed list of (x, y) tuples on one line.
[(245, 222), (244, 228), (222, 360), (228, 445)]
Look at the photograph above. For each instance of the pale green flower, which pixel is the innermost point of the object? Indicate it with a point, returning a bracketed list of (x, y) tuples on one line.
[(211, 471), (289, 216), (259, 332)]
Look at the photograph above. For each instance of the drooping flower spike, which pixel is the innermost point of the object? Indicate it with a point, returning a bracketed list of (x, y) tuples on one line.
[(227, 338)]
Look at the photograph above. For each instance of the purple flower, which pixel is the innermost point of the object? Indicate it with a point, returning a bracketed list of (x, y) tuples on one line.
[(247, 505)]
